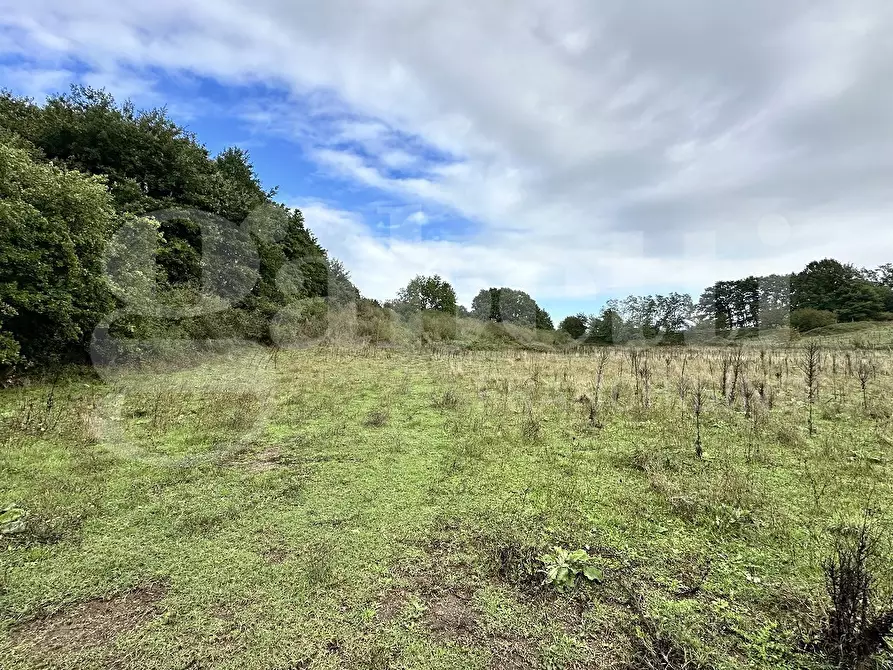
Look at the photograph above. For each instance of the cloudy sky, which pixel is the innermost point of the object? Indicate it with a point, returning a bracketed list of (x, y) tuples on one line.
[(577, 150)]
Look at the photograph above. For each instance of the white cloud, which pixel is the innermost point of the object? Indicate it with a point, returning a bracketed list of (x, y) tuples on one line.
[(417, 218), (553, 127)]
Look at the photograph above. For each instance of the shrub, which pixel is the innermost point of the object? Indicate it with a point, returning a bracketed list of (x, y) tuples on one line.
[(53, 225), (804, 320), (437, 326), (856, 627), (301, 322), (375, 323)]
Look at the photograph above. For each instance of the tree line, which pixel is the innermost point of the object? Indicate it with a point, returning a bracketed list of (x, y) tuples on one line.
[(77, 170), (824, 292), (85, 181)]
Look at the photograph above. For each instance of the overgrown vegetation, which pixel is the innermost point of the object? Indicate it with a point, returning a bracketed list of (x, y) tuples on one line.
[(356, 506), (858, 626)]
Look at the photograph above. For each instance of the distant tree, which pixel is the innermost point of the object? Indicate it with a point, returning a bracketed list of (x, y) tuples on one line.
[(806, 319), (749, 303), (882, 278), (575, 325), (860, 300), (543, 320), (341, 290), (822, 284), (607, 328), (647, 317), (885, 274), (673, 312), (486, 305), (511, 306), (774, 300), (463, 311), (429, 293)]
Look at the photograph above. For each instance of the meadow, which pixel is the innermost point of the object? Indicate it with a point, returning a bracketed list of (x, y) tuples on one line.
[(369, 507)]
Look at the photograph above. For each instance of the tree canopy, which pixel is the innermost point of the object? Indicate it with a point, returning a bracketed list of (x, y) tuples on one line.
[(75, 167), (511, 306), (53, 224), (428, 293)]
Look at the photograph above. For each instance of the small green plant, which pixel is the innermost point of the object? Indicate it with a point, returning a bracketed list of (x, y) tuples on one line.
[(563, 569), (449, 399), (377, 418)]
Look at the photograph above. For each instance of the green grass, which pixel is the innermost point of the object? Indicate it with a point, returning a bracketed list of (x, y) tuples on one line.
[(336, 508)]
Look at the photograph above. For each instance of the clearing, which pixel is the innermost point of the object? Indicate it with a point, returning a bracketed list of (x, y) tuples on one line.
[(368, 508)]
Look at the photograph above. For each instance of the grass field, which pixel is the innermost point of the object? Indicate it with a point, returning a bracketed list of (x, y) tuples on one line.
[(369, 508)]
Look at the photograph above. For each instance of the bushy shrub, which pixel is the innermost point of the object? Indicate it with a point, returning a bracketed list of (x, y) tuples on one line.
[(376, 323), (53, 227), (437, 326), (807, 319), (300, 323)]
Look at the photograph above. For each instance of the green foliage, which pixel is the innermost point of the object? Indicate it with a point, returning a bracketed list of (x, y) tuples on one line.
[(341, 290), (607, 328), (375, 323), (749, 303), (437, 326), (860, 300), (543, 320), (804, 320), (822, 284), (53, 228), (575, 325), (301, 321), (428, 293), (564, 569), (510, 306), (218, 234)]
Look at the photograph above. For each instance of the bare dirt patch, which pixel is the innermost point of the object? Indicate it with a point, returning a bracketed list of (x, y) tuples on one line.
[(91, 624), (390, 604), (513, 654), (268, 459), (450, 614)]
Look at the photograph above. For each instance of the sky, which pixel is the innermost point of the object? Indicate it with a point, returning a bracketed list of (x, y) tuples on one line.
[(575, 150)]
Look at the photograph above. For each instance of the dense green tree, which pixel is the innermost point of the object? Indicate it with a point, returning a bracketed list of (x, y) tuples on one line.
[(485, 305), (511, 306), (882, 278), (574, 325), (341, 290), (882, 275), (859, 300), (429, 293), (543, 320), (53, 227), (749, 303), (607, 328), (822, 284), (221, 232)]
